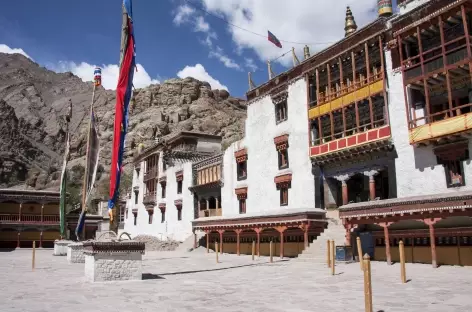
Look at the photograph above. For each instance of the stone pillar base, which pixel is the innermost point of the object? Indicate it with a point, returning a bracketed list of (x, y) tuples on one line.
[(113, 261), (75, 253), (60, 247)]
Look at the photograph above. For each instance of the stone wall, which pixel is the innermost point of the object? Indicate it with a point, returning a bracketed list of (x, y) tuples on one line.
[(75, 253), (103, 267)]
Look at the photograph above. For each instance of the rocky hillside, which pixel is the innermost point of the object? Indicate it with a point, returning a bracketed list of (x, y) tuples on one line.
[(33, 101)]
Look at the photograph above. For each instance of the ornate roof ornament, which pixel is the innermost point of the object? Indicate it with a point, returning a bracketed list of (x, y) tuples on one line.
[(306, 52), (351, 25)]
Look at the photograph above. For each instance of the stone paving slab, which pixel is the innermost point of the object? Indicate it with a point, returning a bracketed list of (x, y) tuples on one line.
[(180, 281)]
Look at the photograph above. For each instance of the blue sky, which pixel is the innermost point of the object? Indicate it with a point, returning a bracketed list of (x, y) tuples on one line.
[(172, 36)]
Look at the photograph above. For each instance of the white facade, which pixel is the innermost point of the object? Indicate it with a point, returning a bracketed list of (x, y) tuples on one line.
[(417, 170), (171, 228), (262, 158)]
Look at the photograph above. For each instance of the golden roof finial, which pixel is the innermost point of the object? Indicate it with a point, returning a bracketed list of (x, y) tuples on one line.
[(351, 25)]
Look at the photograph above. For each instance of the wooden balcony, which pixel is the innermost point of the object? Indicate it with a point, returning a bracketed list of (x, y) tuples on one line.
[(440, 129), (28, 219), (150, 174), (352, 141), (350, 97), (210, 213), (150, 199)]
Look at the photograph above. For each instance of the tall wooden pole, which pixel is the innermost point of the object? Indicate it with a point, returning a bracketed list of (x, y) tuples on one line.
[(333, 259), (271, 251), (367, 284), (359, 252), (34, 255), (402, 262), (328, 253), (253, 249), (216, 251)]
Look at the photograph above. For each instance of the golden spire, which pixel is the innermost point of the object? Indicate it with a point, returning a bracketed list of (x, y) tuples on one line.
[(306, 52), (351, 25)]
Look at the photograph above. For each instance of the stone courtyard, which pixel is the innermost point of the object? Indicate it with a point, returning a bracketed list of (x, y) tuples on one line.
[(192, 281)]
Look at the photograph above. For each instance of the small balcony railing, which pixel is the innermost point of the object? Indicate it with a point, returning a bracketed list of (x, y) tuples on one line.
[(25, 218), (150, 174), (210, 213), (150, 199)]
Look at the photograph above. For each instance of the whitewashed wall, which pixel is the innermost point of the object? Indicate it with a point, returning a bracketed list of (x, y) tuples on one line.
[(407, 7), (262, 164), (417, 170), (171, 228)]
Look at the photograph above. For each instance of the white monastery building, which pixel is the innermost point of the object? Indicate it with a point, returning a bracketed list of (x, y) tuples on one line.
[(368, 138)]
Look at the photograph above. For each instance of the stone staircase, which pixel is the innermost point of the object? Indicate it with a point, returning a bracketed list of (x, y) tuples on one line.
[(316, 251)]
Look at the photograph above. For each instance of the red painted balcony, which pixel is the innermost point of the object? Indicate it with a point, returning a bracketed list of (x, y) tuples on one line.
[(28, 219)]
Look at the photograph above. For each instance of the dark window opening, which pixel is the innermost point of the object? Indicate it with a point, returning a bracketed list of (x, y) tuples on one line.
[(242, 170), (135, 221), (163, 190), (454, 173), (179, 214), (163, 216), (150, 218), (284, 196), (242, 206), (136, 197), (179, 187), (283, 158), (281, 111)]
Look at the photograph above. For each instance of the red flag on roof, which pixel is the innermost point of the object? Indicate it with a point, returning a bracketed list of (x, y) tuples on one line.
[(273, 39)]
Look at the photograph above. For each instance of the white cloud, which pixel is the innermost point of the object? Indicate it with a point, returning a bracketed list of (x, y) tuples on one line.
[(199, 72), (228, 62), (6, 49), (249, 63), (183, 13), (201, 25), (110, 74), (322, 22)]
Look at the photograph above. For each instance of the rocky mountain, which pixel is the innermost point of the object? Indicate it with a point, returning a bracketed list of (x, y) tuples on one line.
[(33, 103)]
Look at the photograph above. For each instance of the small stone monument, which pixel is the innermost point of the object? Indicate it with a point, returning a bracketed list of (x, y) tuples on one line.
[(113, 260), (75, 253), (60, 247)]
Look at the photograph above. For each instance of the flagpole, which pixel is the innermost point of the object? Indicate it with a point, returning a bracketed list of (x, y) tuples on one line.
[(84, 187)]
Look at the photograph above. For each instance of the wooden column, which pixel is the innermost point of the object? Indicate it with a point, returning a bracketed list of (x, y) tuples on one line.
[(237, 240), (317, 74), (367, 65), (198, 205), (42, 214), (41, 239), (425, 84), (467, 37), (353, 60), (258, 233), (221, 240), (340, 76), (19, 212), (385, 226), (208, 240), (217, 203), (443, 48), (371, 174), (432, 239), (382, 70), (305, 227), (281, 229), (18, 241), (348, 228), (345, 194), (194, 240)]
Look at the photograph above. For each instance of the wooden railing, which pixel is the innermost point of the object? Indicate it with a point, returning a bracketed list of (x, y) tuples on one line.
[(150, 198), (150, 174), (25, 218), (210, 213)]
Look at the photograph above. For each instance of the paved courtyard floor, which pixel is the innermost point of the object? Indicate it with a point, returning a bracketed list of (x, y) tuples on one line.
[(194, 282)]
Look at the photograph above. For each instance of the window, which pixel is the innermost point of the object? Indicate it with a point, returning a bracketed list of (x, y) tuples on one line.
[(283, 158), (136, 197), (242, 206), (163, 190), (281, 111), (284, 195), (454, 173), (150, 217), (179, 187), (135, 221), (163, 215), (179, 213), (242, 170)]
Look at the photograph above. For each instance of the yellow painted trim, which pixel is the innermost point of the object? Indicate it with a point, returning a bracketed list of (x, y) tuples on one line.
[(347, 99), (441, 128)]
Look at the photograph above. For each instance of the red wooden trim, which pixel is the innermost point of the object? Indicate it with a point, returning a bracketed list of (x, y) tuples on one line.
[(283, 178), (178, 202), (281, 139), (162, 206), (240, 153)]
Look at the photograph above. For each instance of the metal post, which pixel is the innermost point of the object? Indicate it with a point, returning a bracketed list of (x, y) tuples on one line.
[(253, 249)]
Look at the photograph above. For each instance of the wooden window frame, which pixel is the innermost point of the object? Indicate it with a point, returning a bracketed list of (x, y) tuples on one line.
[(242, 205), (284, 195), (179, 187), (283, 184), (449, 168), (281, 112)]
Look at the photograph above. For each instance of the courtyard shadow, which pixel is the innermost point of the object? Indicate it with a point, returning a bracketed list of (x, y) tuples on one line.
[(167, 258), (220, 269), (150, 276), (7, 249)]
